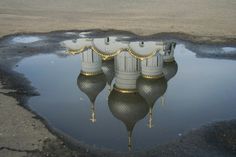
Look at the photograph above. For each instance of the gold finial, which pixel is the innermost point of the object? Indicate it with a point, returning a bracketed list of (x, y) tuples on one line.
[(150, 125), (129, 141), (93, 114)]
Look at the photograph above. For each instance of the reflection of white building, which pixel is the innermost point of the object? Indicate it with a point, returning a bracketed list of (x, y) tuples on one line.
[(128, 108), (169, 52), (131, 58), (137, 68), (151, 90), (91, 86), (91, 62), (151, 55)]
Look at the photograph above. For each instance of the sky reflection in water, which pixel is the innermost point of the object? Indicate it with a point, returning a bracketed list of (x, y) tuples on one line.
[(202, 91)]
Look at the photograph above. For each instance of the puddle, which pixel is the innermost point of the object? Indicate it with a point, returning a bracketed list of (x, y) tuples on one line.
[(229, 49), (196, 91), (25, 39)]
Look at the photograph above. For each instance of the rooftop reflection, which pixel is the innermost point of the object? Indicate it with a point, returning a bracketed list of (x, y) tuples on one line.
[(138, 81), (173, 108)]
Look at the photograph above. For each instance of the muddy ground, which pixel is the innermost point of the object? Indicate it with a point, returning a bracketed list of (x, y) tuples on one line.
[(23, 133), (215, 19)]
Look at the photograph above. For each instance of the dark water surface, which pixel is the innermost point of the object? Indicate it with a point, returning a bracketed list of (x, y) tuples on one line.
[(202, 91)]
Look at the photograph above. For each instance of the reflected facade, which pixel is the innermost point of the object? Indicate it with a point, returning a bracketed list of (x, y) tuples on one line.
[(136, 72)]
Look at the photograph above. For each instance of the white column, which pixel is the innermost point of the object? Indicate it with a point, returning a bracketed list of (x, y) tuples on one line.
[(169, 52), (91, 63), (152, 67), (127, 70)]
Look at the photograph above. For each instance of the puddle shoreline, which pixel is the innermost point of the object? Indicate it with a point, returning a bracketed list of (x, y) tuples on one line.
[(24, 91), (194, 39)]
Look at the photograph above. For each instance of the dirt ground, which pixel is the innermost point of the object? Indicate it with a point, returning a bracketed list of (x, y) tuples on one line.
[(23, 135), (195, 17), (19, 133)]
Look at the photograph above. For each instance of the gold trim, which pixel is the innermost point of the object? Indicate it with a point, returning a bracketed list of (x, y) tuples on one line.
[(113, 54), (90, 73), (125, 90), (107, 59), (153, 77), (78, 51), (141, 57)]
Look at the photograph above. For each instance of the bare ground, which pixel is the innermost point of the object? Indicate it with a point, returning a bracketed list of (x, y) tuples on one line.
[(202, 18)]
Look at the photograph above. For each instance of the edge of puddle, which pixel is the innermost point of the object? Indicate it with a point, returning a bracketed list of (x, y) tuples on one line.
[(23, 89)]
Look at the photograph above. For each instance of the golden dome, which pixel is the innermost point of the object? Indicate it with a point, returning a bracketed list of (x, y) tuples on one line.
[(151, 89), (108, 69), (91, 86), (129, 108), (170, 69)]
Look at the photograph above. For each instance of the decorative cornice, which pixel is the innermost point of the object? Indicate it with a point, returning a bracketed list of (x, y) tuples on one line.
[(105, 56), (90, 73), (121, 90), (78, 51), (153, 77), (142, 57)]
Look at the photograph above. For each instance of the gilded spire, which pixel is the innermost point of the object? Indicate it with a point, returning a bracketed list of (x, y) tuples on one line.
[(93, 113), (150, 125), (130, 140)]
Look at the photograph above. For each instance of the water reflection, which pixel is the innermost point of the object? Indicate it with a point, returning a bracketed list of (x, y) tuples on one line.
[(129, 108), (140, 71), (91, 86), (130, 100), (204, 84), (151, 90)]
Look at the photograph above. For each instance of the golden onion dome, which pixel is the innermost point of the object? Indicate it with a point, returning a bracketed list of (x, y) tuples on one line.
[(108, 69), (91, 85), (151, 89), (127, 107), (170, 69)]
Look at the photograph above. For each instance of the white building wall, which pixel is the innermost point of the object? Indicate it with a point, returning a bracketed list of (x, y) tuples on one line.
[(152, 66), (127, 70), (169, 56), (91, 62)]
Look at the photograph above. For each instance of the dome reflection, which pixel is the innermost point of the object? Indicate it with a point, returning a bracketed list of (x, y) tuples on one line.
[(108, 70), (129, 108), (170, 69), (137, 69), (91, 86), (151, 90)]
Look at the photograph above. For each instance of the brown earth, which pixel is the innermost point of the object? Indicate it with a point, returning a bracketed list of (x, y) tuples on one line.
[(214, 18)]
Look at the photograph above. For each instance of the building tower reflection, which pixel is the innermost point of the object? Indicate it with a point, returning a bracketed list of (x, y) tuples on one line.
[(169, 52), (151, 90), (133, 95), (129, 108), (151, 55), (108, 70), (91, 86), (170, 69)]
